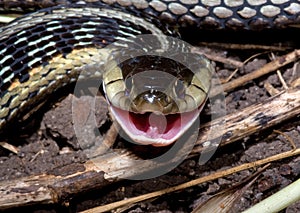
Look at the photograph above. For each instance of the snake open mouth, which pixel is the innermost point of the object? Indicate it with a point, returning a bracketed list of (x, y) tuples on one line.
[(154, 128), (156, 99)]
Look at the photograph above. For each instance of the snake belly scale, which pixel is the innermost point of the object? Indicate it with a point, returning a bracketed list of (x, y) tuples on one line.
[(48, 49)]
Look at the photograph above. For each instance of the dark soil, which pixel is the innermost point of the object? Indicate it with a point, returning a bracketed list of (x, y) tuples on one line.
[(47, 143)]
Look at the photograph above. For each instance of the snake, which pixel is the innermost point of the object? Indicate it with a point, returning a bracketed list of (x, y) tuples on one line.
[(51, 45)]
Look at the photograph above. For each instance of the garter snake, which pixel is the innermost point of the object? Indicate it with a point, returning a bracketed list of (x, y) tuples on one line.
[(47, 49)]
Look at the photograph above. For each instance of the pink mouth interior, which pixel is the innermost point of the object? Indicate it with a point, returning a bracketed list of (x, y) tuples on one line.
[(147, 121), (153, 128)]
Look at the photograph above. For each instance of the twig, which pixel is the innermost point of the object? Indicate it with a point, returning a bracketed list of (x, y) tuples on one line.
[(282, 80), (279, 200), (252, 119), (108, 168), (290, 140), (269, 67), (218, 58), (270, 89), (9, 147), (6, 19), (211, 177), (235, 71), (108, 141), (243, 46)]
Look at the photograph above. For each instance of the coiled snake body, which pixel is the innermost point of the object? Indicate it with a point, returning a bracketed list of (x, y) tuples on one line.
[(47, 49)]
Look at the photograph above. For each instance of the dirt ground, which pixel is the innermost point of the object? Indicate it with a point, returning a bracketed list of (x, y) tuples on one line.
[(47, 143)]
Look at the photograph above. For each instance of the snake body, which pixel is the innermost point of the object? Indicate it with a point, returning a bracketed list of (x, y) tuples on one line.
[(47, 49), (215, 14)]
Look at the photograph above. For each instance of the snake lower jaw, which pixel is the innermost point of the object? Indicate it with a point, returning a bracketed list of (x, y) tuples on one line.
[(153, 128)]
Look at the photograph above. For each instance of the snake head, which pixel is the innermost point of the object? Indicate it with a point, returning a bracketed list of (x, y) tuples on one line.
[(154, 101), (156, 105)]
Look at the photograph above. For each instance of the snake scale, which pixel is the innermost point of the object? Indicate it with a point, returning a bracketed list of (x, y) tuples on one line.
[(47, 49)]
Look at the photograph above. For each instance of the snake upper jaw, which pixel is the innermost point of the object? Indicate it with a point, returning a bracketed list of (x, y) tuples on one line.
[(154, 128)]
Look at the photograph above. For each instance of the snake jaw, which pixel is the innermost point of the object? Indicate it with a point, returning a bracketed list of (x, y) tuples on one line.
[(154, 128)]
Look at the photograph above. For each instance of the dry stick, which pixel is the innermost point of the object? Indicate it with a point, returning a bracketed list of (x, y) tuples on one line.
[(53, 189), (252, 119), (290, 140), (243, 46), (47, 189), (270, 89), (214, 57), (269, 67), (244, 62), (284, 84), (195, 182), (9, 147), (107, 169), (108, 140), (6, 19)]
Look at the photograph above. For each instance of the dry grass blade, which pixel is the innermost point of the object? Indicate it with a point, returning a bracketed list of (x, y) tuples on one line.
[(296, 83), (236, 70), (270, 89), (108, 141), (56, 189), (218, 58), (252, 119), (290, 140), (211, 177), (269, 67), (9, 147), (224, 201), (279, 200), (6, 19), (243, 46)]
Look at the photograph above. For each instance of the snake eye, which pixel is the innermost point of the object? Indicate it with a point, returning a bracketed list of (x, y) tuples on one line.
[(179, 89)]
